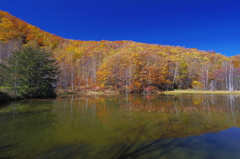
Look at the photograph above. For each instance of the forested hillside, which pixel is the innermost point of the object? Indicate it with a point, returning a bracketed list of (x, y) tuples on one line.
[(121, 65)]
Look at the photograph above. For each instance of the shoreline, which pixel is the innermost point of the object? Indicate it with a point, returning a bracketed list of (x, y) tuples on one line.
[(200, 92), (188, 91), (7, 98)]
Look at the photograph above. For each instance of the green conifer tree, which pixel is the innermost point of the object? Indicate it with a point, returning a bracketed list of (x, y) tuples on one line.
[(32, 73)]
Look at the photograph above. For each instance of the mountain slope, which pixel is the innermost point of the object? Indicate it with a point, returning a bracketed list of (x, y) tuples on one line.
[(124, 65), (14, 28)]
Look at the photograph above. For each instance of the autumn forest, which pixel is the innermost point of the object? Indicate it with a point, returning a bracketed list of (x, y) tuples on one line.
[(126, 66)]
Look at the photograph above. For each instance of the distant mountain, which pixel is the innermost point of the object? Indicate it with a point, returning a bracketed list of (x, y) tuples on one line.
[(123, 65)]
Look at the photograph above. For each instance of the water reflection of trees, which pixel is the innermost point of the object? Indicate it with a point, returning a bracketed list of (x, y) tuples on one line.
[(187, 114), (190, 115), (132, 126), (148, 127), (184, 103), (129, 147), (24, 126)]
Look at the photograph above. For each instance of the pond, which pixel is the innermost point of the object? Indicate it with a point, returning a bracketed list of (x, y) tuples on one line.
[(122, 126)]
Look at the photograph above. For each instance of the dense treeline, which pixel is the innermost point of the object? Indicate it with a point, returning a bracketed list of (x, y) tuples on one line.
[(122, 65)]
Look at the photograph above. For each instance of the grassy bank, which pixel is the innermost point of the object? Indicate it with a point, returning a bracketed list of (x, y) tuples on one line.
[(190, 91)]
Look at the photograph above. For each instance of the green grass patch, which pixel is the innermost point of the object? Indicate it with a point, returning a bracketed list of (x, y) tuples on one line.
[(190, 91), (66, 93), (93, 92)]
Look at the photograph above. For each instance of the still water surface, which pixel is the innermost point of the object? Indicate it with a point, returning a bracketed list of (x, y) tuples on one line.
[(120, 126)]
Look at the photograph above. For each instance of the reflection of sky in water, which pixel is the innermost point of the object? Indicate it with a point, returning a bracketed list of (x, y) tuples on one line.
[(188, 126), (224, 144)]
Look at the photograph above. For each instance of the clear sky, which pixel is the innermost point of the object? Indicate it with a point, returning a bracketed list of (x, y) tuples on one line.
[(202, 24)]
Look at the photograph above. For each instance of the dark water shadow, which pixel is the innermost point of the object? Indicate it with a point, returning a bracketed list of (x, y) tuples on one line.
[(5, 104), (208, 146)]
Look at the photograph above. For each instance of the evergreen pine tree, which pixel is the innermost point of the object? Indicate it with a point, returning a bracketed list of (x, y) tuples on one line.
[(32, 73)]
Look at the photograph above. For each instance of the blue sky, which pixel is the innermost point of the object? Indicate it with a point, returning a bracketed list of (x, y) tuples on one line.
[(202, 24)]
